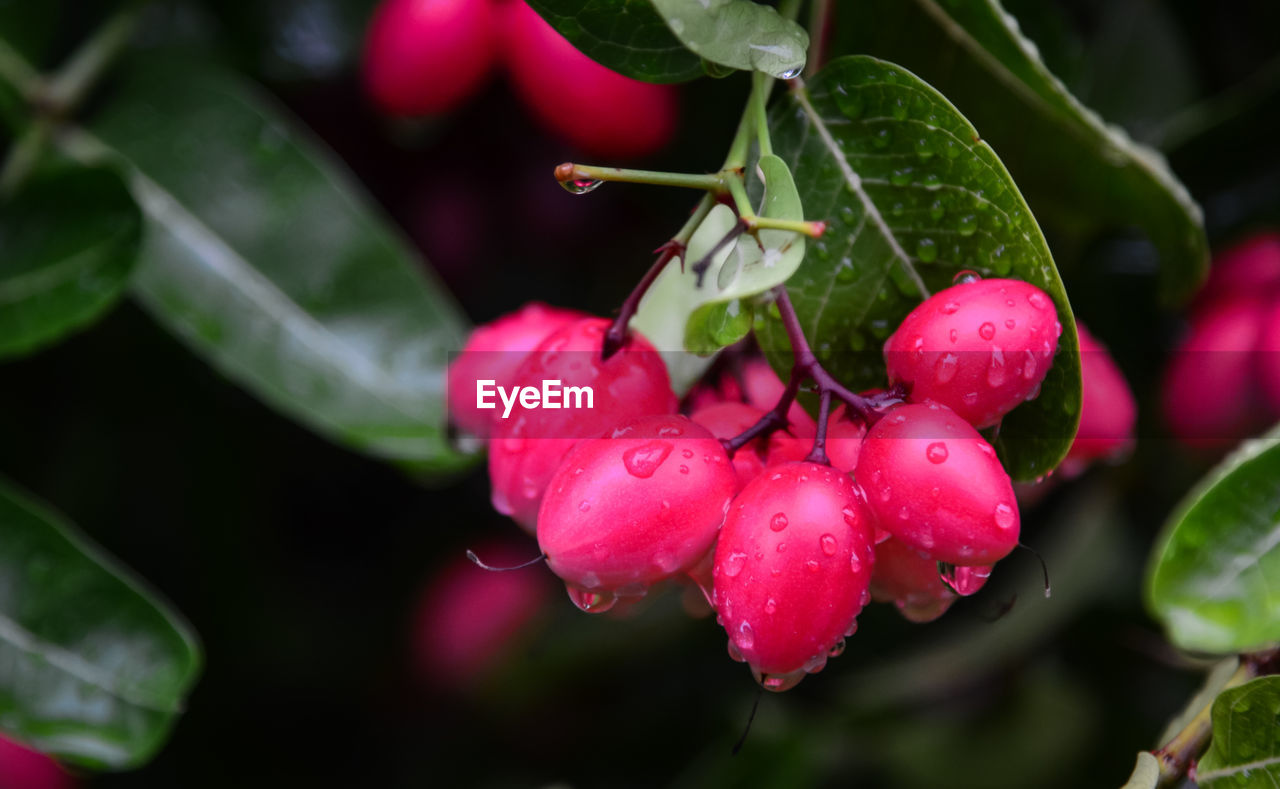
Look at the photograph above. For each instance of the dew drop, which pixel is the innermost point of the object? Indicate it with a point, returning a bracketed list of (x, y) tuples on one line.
[(850, 516), (778, 522), (580, 186), (591, 602), (882, 138), (782, 547), (734, 653), (987, 331), (946, 367), (904, 514), (1010, 323), (1005, 516), (950, 308), (837, 649), (688, 453), (812, 566), (900, 177), (733, 564), (996, 372), (927, 250), (670, 431), (644, 460), (936, 452), (790, 73), (1038, 300), (1029, 366), (965, 277), (954, 335), (968, 225), (585, 506), (684, 469), (771, 606), (937, 210), (828, 543)]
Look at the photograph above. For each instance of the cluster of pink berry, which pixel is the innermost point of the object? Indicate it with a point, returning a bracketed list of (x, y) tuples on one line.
[(1233, 342), (788, 534), (425, 57)]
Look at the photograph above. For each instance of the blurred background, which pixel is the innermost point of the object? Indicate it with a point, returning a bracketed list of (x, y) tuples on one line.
[(316, 577)]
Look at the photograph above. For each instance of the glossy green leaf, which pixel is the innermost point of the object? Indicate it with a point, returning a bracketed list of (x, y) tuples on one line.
[(1146, 772), (911, 197), (1080, 173), (1214, 576), (1245, 748), (265, 258), (68, 242), (740, 34), (628, 36), (684, 311), (94, 668)]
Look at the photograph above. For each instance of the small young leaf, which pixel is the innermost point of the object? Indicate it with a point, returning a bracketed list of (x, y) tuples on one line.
[(1080, 173), (740, 34), (627, 36), (911, 197), (714, 326), (1214, 575), (94, 669), (68, 243), (1245, 749), (265, 258)]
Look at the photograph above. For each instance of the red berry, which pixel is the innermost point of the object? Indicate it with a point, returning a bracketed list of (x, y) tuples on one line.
[(844, 439), (763, 389), (933, 482), (909, 579), (726, 420), (792, 567), (980, 348), (470, 620), (596, 109), (528, 446), (1107, 409), (1211, 395), (1269, 358), (493, 352), (24, 768), (1250, 268), (637, 506), (423, 57)]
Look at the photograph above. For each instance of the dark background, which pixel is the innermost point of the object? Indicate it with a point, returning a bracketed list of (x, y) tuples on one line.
[(300, 564)]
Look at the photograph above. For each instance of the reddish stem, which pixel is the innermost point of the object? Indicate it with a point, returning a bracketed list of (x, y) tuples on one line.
[(616, 336)]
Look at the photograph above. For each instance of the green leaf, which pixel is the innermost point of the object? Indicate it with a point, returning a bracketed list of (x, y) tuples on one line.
[(266, 259), (68, 243), (1245, 749), (740, 34), (1081, 174), (1214, 576), (911, 197), (1146, 772), (683, 311), (628, 36), (94, 669)]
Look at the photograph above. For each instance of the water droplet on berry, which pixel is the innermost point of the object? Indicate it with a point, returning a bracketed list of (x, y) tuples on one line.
[(734, 653), (855, 563), (778, 522), (580, 186), (1005, 516), (1037, 299), (744, 638), (964, 277), (987, 331), (850, 516), (936, 452), (733, 564), (836, 650), (1029, 366), (644, 460), (591, 602), (904, 513), (970, 398), (946, 367), (828, 543), (670, 431), (996, 372), (684, 469), (584, 506), (954, 335), (812, 566), (950, 308), (771, 606), (782, 547)]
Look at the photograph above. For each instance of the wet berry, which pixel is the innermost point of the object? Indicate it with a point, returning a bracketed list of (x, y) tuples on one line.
[(910, 580), (981, 347), (637, 506), (792, 567), (1107, 409), (528, 446), (725, 420), (935, 484)]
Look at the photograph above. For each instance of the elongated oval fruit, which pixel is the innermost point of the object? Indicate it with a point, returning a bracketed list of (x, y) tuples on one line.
[(529, 444), (792, 567), (1107, 408), (980, 348), (911, 581), (423, 57), (935, 484), (493, 353), (728, 419), (637, 506)]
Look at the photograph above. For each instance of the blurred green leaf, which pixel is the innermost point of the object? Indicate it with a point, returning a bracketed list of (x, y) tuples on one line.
[(1081, 174), (265, 257), (911, 197), (94, 668), (68, 243), (740, 34), (1214, 575), (1146, 772), (628, 36), (29, 28), (1245, 749)]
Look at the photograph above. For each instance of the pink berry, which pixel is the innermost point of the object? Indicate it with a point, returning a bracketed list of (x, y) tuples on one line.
[(528, 446), (24, 768), (1247, 269), (792, 567), (980, 348), (726, 420), (762, 389), (423, 57), (470, 620), (637, 506), (493, 352), (844, 439), (1107, 408), (1269, 358), (596, 109), (1211, 394), (935, 484), (909, 579)]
